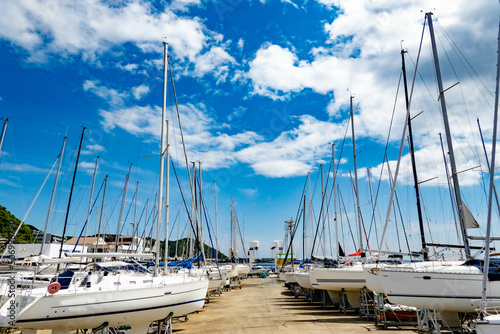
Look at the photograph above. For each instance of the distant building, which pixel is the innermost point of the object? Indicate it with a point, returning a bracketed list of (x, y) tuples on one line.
[(281, 259), (92, 244), (49, 237)]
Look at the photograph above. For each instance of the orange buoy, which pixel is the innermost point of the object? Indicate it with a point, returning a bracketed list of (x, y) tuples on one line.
[(54, 287)]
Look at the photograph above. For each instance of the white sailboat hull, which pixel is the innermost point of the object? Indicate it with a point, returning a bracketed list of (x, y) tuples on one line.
[(90, 307), (372, 278), (456, 288), (304, 280), (335, 279)]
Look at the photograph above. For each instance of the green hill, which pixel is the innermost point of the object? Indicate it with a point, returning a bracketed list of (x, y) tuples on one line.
[(8, 225)]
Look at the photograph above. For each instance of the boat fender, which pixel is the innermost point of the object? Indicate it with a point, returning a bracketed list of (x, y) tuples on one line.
[(54, 287)]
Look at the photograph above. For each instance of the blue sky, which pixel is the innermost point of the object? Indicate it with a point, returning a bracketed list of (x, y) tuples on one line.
[(263, 93)]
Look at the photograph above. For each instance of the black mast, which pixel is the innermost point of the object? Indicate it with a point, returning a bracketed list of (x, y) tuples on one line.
[(71, 193), (425, 251)]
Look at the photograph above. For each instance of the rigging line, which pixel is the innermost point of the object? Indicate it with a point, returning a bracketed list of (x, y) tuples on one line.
[(379, 183), (135, 231), (241, 236), (180, 129), (299, 213), (348, 221), (114, 207), (214, 251), (320, 210), (361, 218), (488, 164), (459, 53), (473, 148), (195, 234), (208, 222), (86, 221), (129, 207), (400, 215), (466, 111), (17, 167), (452, 193), (428, 223), (31, 205)]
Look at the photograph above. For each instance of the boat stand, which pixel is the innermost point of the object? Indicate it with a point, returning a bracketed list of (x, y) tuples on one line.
[(296, 289), (312, 295), (344, 305), (431, 321), (366, 299), (236, 283)]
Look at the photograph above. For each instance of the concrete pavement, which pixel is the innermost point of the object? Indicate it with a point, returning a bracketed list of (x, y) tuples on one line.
[(264, 305)]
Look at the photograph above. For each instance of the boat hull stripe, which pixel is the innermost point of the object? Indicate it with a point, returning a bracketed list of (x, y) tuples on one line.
[(105, 313)]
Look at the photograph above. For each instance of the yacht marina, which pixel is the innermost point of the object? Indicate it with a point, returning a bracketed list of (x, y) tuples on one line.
[(166, 215)]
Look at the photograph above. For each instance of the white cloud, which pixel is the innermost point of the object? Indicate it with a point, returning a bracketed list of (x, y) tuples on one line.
[(183, 5), (362, 53), (293, 152), (211, 61), (128, 67), (48, 29), (111, 96), (23, 168), (8, 183), (248, 192), (140, 91), (93, 149)]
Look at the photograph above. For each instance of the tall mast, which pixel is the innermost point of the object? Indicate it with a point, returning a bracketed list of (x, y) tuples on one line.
[(323, 210), (53, 190), (216, 237), (310, 208), (233, 230), (425, 251), (90, 202), (492, 179), (335, 204), (304, 230), (356, 182), (4, 129), (145, 223), (71, 194), (201, 204), (454, 175), (167, 198), (120, 217), (195, 204), (162, 160), (134, 224), (102, 210)]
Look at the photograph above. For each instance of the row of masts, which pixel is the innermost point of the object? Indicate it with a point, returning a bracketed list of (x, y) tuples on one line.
[(461, 210), (161, 201)]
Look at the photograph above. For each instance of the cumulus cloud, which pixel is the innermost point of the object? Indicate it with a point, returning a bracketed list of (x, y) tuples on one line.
[(140, 91), (362, 53), (49, 29), (293, 152), (111, 96)]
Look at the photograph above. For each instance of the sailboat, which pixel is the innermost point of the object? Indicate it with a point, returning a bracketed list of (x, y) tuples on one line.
[(348, 279), (96, 299), (447, 287)]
